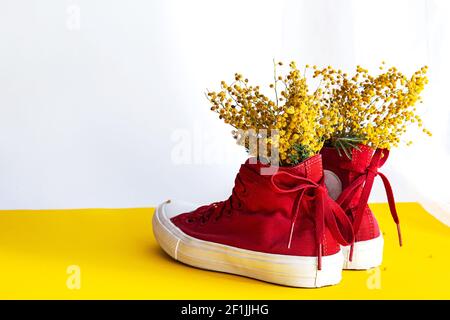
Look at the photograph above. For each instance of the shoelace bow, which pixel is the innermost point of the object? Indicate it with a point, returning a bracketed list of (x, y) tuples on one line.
[(327, 211), (366, 179)]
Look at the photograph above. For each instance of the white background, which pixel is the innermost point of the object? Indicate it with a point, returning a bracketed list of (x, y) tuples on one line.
[(98, 98)]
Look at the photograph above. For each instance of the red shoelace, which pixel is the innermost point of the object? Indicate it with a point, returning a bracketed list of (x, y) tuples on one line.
[(327, 211), (366, 179)]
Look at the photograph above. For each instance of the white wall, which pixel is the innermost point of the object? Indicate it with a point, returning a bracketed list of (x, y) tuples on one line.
[(96, 96)]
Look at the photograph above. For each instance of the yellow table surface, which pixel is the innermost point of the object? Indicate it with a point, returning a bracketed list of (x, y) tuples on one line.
[(116, 257)]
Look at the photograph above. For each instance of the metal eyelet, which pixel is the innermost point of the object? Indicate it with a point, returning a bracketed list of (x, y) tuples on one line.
[(189, 220)]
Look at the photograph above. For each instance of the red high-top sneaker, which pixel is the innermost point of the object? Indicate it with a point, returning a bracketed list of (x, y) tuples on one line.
[(281, 228), (349, 182)]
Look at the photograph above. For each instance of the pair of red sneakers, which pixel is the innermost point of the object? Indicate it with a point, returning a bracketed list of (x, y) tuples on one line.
[(295, 226)]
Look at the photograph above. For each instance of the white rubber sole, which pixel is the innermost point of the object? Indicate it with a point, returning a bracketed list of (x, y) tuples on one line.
[(294, 271), (366, 254)]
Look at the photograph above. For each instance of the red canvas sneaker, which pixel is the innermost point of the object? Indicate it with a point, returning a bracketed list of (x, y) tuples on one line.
[(281, 228), (349, 182)]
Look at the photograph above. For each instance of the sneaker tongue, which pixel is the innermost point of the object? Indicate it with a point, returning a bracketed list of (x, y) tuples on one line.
[(363, 156), (310, 168), (360, 158)]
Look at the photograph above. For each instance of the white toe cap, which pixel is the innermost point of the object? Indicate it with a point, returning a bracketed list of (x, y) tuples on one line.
[(173, 208)]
